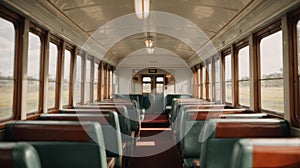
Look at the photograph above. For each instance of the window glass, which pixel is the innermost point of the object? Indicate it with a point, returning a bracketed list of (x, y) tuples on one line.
[(298, 51), (159, 79), (199, 84), (271, 78), (95, 81), (53, 53), (33, 72), (66, 82), (159, 88), (218, 79), (102, 71), (298, 48), (243, 76), (146, 87), (209, 81), (78, 79), (146, 79), (271, 56), (228, 82), (203, 82), (7, 56), (87, 80), (110, 83)]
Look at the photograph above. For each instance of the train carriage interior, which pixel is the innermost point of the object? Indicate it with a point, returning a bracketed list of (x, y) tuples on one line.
[(148, 83)]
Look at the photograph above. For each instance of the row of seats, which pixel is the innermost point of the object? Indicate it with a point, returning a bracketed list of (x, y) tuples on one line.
[(210, 135), (62, 144), (98, 135)]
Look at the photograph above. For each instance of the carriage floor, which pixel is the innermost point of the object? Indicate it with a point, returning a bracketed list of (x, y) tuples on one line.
[(156, 148)]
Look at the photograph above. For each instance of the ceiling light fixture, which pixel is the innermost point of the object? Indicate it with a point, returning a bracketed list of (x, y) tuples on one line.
[(142, 8), (149, 43)]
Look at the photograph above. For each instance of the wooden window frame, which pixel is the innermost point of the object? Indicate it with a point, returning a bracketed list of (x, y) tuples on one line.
[(41, 33), (18, 23), (225, 53), (89, 58), (293, 19), (71, 49), (58, 42), (198, 81), (147, 82), (96, 61), (81, 55), (209, 79), (203, 83), (237, 47), (258, 36), (195, 81), (215, 82), (105, 69), (100, 82)]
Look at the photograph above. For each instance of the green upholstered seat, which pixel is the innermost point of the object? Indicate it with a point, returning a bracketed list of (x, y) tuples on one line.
[(169, 100), (190, 127), (18, 155), (62, 139), (70, 154), (109, 124), (220, 135), (278, 152), (123, 115)]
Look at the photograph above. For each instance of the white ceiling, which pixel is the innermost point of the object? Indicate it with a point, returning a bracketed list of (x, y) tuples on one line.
[(113, 24)]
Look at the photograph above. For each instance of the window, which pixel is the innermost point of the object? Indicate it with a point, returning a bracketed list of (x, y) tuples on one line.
[(33, 73), (228, 79), (110, 83), (218, 79), (146, 79), (7, 57), (203, 82), (105, 81), (77, 91), (159, 85), (96, 66), (146, 84), (198, 82), (271, 76), (209, 81), (67, 79), (243, 76), (296, 116), (87, 80), (52, 75), (102, 81)]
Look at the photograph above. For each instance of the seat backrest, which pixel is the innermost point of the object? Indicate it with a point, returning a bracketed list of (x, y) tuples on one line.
[(169, 98), (69, 154), (18, 155), (109, 124), (281, 152), (48, 131), (222, 134), (139, 98), (87, 133), (121, 111), (133, 112), (177, 101), (181, 105), (183, 108), (191, 126)]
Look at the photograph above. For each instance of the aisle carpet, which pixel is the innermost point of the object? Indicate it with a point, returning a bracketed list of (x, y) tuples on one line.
[(156, 147)]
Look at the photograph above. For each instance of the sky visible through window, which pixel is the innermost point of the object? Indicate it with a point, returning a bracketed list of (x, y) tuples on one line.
[(7, 45)]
